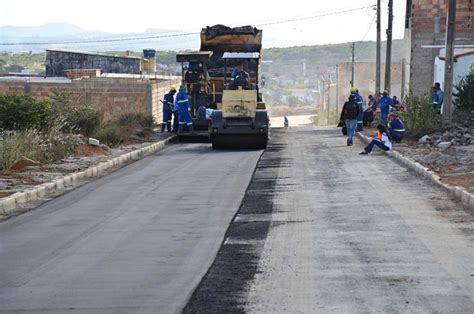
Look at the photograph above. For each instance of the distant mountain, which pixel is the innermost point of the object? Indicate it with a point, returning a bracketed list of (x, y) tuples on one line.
[(48, 30), (54, 34)]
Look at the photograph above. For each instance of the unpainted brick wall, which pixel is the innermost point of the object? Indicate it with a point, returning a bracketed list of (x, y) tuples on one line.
[(425, 11), (112, 97), (423, 20), (364, 79)]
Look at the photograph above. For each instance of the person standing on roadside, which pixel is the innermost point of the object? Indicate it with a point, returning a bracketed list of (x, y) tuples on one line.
[(349, 114), (438, 96), (183, 110), (385, 103), (168, 109)]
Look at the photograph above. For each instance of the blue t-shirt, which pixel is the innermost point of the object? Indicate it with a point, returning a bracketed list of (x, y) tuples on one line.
[(384, 104)]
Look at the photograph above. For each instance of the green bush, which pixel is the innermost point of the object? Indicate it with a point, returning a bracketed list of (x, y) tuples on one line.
[(39, 146), (110, 135), (137, 118), (22, 112), (464, 100), (85, 120), (420, 116)]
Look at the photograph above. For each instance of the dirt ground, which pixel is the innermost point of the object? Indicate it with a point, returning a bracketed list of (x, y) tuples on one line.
[(454, 165)]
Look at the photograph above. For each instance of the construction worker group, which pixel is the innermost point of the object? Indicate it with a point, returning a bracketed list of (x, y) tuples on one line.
[(176, 111), (354, 117)]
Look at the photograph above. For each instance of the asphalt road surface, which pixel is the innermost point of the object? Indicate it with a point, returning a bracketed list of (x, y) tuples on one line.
[(325, 230), (136, 241)]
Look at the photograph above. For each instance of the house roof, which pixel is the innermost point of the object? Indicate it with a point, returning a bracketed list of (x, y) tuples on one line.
[(459, 54)]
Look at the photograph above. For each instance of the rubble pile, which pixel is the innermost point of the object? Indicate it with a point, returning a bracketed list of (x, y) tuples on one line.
[(455, 136)]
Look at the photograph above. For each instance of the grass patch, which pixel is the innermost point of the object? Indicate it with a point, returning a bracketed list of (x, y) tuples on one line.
[(42, 147)]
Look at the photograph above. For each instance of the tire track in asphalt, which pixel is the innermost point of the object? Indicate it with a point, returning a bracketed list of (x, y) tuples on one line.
[(224, 288)]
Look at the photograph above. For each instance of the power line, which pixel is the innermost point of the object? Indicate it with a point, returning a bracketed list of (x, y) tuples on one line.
[(155, 36), (97, 40), (317, 16), (370, 26)]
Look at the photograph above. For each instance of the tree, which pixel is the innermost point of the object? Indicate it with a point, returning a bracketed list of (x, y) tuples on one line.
[(464, 100)]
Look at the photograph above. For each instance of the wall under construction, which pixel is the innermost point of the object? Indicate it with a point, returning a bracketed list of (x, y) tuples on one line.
[(57, 61), (426, 25)]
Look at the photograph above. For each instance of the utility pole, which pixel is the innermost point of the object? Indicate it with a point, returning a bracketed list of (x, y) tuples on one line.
[(304, 68), (388, 61), (448, 65), (352, 69), (329, 98), (322, 99), (337, 88), (402, 91), (378, 51)]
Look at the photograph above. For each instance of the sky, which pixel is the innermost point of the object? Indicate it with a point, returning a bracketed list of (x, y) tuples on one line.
[(190, 16)]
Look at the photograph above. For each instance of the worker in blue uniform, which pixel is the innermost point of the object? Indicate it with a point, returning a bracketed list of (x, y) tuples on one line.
[(385, 103), (183, 110), (168, 101), (438, 97), (395, 127), (239, 77), (360, 107)]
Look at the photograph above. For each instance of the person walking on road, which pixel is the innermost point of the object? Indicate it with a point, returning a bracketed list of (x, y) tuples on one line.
[(385, 103), (381, 140), (183, 110), (349, 114), (360, 105), (168, 102)]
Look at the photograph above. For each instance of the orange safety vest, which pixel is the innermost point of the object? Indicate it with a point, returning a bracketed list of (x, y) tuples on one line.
[(379, 135)]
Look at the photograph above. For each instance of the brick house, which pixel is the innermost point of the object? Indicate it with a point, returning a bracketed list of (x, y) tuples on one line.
[(425, 27)]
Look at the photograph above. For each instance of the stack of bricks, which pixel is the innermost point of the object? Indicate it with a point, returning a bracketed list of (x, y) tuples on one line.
[(82, 73)]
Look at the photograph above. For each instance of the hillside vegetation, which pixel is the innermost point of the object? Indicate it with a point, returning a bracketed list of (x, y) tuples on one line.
[(281, 58)]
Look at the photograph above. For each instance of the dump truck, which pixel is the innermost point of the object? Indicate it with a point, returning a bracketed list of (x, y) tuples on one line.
[(240, 119), (234, 115)]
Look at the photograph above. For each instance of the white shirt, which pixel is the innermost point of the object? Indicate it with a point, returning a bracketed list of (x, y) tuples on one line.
[(386, 141)]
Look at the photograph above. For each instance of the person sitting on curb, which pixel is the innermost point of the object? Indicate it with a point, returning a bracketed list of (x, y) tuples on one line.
[(382, 140), (396, 127), (384, 104)]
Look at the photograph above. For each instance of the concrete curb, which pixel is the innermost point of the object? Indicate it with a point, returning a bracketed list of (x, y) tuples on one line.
[(13, 203), (459, 193)]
